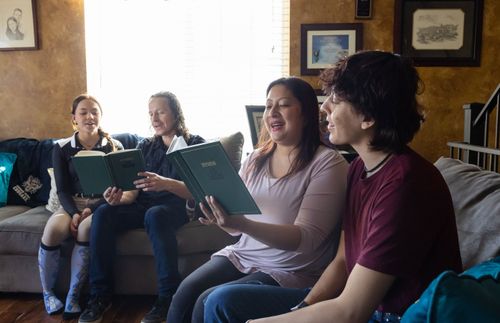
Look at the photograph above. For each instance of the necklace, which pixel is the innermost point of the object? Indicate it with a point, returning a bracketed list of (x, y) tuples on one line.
[(378, 165)]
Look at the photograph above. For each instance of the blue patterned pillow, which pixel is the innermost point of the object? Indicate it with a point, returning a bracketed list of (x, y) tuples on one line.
[(7, 161)]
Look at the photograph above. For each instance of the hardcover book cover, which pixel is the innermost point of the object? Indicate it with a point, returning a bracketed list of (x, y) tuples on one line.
[(206, 170), (97, 171)]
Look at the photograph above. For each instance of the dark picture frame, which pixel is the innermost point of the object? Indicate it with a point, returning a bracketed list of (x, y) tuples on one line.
[(18, 25), (439, 33), (320, 96), (255, 114), (322, 45)]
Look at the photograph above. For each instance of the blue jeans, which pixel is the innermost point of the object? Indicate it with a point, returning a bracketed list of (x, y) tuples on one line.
[(188, 302), (160, 222), (242, 302)]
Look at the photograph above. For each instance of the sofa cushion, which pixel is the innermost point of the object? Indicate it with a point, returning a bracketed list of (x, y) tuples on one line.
[(233, 145), (7, 161), (476, 200), (11, 210), (192, 238), (473, 296), (21, 234), (128, 140)]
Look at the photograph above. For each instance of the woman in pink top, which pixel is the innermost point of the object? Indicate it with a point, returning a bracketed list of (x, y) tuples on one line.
[(298, 184)]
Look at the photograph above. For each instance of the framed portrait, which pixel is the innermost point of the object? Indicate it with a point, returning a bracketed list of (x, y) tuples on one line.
[(254, 115), (322, 45), (439, 33), (18, 29)]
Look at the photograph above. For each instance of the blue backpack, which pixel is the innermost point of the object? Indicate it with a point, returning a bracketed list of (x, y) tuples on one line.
[(472, 296)]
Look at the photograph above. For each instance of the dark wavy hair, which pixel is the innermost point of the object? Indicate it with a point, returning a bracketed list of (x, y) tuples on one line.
[(175, 108), (74, 105), (383, 87), (310, 139)]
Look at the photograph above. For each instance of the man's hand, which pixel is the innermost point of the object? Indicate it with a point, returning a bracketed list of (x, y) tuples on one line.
[(151, 182), (113, 195)]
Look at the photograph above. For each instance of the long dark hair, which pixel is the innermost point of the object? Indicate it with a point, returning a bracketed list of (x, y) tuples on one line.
[(310, 139), (74, 105)]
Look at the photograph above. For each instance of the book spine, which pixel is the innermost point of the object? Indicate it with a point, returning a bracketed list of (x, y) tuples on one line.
[(109, 170), (188, 178)]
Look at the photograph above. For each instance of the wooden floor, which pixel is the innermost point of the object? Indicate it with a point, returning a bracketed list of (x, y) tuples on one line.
[(23, 307)]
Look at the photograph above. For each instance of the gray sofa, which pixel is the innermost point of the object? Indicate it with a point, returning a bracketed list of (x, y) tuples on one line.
[(475, 193), (476, 199), (21, 228)]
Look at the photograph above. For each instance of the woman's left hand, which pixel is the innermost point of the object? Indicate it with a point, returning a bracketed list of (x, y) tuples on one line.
[(215, 213), (151, 182)]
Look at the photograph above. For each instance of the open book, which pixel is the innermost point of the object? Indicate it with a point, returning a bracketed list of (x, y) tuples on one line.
[(206, 170), (98, 171)]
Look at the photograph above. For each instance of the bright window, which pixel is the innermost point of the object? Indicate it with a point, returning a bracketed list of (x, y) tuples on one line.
[(217, 56)]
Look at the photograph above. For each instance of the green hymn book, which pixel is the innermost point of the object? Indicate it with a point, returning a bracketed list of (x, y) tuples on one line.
[(97, 171), (206, 170)]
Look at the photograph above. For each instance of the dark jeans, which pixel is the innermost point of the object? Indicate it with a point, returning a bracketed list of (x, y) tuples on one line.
[(242, 302), (239, 303), (160, 222), (188, 302)]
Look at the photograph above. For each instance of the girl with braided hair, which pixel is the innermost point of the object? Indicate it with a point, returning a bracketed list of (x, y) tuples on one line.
[(75, 213)]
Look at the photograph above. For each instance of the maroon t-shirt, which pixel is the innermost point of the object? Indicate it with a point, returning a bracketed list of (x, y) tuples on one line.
[(401, 222)]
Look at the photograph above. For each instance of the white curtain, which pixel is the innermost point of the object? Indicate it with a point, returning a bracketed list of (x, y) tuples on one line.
[(216, 55)]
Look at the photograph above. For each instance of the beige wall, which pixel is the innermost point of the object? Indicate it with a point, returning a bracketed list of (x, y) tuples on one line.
[(36, 87), (446, 88)]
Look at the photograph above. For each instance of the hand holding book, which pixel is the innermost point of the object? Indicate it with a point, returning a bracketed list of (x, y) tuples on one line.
[(152, 182), (207, 171), (215, 214)]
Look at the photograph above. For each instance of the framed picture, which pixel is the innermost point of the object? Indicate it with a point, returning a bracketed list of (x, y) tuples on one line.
[(439, 33), (254, 115), (322, 45), (18, 29), (321, 96)]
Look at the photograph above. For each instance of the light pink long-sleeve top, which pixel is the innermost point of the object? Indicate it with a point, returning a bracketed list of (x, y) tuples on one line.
[(312, 199)]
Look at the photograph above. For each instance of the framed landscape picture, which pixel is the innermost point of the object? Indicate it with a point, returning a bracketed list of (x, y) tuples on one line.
[(18, 29), (322, 45), (439, 33)]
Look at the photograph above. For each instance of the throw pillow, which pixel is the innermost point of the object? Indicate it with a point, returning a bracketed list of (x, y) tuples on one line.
[(7, 161), (53, 203), (475, 193), (473, 296), (233, 145)]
